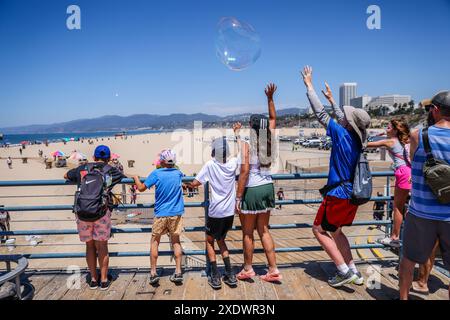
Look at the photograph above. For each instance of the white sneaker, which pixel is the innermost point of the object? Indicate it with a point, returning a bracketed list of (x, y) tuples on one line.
[(389, 242), (359, 281)]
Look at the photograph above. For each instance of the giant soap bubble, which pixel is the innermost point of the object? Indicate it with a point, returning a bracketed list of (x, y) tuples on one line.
[(237, 44)]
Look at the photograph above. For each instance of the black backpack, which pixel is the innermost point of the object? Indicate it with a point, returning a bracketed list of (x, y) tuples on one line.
[(362, 182), (93, 197)]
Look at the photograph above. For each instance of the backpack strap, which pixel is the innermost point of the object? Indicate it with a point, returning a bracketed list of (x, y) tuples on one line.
[(427, 146)]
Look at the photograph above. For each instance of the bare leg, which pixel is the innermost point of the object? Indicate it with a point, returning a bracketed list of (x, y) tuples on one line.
[(178, 252), (424, 271), (400, 196), (262, 225), (91, 259), (406, 274), (210, 248), (103, 259), (329, 245), (343, 245), (248, 226), (223, 248), (154, 253)]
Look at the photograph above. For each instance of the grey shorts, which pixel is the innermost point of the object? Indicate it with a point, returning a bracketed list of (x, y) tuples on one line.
[(419, 238)]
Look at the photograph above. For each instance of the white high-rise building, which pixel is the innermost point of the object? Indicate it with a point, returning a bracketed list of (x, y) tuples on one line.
[(389, 100), (347, 91), (360, 102)]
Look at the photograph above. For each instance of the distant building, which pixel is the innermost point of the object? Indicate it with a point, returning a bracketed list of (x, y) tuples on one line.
[(360, 102), (347, 91), (389, 101)]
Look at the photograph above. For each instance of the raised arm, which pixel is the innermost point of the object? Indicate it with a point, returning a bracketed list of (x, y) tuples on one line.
[(389, 143), (236, 128), (270, 90), (336, 109), (316, 105), (140, 186)]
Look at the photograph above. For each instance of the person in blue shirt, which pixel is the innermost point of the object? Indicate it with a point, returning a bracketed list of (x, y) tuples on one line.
[(169, 210), (348, 135)]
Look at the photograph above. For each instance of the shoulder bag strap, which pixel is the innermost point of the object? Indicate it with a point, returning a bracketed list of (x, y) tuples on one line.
[(427, 146)]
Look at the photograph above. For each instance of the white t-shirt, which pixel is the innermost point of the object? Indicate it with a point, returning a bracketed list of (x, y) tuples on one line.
[(222, 179)]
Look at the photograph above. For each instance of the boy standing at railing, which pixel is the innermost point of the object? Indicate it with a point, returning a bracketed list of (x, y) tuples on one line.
[(220, 172), (169, 210), (94, 222)]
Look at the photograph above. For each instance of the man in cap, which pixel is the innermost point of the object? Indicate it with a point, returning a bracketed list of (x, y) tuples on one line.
[(348, 138), (428, 219), (220, 172), (169, 210)]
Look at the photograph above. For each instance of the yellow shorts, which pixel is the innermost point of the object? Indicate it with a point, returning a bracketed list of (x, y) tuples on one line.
[(171, 225)]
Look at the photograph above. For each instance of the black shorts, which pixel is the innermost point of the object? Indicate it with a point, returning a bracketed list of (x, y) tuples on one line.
[(420, 236), (219, 227)]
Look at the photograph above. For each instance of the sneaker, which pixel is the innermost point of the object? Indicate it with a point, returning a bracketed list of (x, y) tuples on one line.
[(389, 242), (154, 279), (93, 285), (340, 279), (176, 278), (214, 281), (230, 279), (105, 285), (359, 281)]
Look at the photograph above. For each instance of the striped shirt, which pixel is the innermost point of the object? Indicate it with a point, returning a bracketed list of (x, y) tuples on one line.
[(423, 203)]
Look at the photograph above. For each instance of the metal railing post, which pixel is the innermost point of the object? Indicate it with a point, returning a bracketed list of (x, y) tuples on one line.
[(389, 212), (206, 210)]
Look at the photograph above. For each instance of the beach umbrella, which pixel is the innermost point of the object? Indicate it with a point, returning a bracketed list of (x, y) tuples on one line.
[(77, 156), (115, 156), (57, 154)]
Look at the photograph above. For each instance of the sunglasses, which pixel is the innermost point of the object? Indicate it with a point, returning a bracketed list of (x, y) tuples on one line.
[(428, 107)]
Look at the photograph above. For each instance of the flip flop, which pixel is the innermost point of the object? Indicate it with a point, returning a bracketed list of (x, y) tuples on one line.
[(272, 277), (417, 289), (244, 275)]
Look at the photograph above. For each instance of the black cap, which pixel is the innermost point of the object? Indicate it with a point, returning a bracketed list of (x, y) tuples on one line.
[(442, 99), (259, 121)]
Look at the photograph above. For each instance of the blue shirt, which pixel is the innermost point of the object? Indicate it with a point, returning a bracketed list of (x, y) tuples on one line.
[(345, 153), (169, 194)]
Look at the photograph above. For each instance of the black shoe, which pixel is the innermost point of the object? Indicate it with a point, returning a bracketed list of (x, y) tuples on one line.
[(214, 281), (176, 278), (230, 279), (93, 285), (154, 279), (105, 285)]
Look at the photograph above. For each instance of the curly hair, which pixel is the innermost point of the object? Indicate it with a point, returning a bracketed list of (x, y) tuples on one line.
[(403, 131)]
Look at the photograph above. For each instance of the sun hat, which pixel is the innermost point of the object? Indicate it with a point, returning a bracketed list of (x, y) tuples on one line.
[(359, 120), (168, 156), (102, 152), (220, 149)]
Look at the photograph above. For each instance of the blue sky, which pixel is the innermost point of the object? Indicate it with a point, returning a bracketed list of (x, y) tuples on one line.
[(159, 55)]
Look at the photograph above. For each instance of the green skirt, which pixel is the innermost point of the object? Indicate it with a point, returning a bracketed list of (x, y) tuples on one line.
[(258, 199)]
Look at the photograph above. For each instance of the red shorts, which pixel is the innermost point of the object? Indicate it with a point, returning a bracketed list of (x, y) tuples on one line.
[(335, 213)]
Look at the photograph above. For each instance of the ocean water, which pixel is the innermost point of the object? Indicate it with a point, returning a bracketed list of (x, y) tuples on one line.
[(54, 137)]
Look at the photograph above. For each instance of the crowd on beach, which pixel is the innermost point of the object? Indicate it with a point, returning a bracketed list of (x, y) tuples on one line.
[(421, 203)]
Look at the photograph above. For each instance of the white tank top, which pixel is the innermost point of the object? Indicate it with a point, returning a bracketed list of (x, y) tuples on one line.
[(258, 176)]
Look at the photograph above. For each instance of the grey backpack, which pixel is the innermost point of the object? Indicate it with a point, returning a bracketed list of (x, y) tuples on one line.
[(362, 182), (436, 172)]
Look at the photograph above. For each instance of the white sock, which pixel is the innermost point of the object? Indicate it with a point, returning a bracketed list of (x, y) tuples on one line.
[(343, 268), (353, 267)]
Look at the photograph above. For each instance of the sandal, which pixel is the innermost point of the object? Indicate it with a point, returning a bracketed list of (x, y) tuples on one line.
[(272, 277), (244, 274), (416, 288)]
